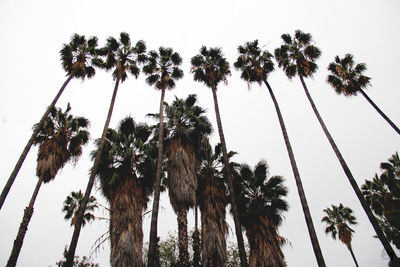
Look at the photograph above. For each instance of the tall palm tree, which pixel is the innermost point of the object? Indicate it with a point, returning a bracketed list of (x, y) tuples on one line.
[(255, 66), (76, 57), (261, 206), (337, 222), (126, 174), (297, 56), (211, 68), (60, 140), (186, 125), (212, 200), (349, 80), (382, 194), (72, 204), (122, 58), (162, 70)]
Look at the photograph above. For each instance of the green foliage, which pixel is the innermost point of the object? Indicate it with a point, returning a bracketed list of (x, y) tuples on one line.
[(72, 204), (382, 193), (162, 68), (78, 54), (297, 55), (346, 78), (337, 222), (210, 67), (122, 56), (255, 65), (259, 196), (84, 262), (127, 154)]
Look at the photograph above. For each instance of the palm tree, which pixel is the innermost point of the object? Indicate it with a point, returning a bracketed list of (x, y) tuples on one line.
[(382, 194), (185, 127), (76, 58), (255, 66), (349, 80), (72, 204), (60, 140), (297, 57), (337, 222), (123, 58), (212, 200), (162, 69), (126, 174), (261, 205), (211, 68)]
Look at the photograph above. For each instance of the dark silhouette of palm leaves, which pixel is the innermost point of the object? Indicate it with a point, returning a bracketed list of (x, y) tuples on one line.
[(297, 55), (71, 206), (122, 56)]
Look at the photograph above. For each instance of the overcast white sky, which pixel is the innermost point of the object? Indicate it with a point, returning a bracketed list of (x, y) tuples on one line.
[(32, 33)]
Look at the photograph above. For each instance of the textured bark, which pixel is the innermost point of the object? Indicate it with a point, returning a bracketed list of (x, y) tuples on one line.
[(235, 211), (212, 202), (82, 208), (182, 179), (19, 240), (126, 233), (183, 243), (380, 112), (153, 247), (265, 245), (299, 184), (21, 159), (371, 217)]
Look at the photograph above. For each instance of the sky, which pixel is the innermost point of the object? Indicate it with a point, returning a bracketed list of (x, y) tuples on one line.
[(33, 32)]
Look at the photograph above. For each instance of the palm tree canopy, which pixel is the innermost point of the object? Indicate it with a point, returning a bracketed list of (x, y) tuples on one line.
[(260, 196), (297, 55), (127, 154), (72, 204), (60, 140), (210, 67), (78, 54), (122, 56), (187, 121), (255, 65), (346, 77), (337, 222), (162, 68)]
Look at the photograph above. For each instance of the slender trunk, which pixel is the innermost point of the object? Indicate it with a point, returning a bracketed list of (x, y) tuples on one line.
[(352, 255), (82, 207), (371, 217), (238, 227), (21, 159), (302, 195), (156, 201), (380, 112), (196, 240), (183, 243), (19, 240)]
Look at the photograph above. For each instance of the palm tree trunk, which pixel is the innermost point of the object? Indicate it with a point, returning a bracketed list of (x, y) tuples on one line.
[(82, 207), (21, 159), (352, 255), (156, 201), (380, 112), (196, 240), (183, 243), (371, 217), (19, 240), (302, 195), (238, 227)]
